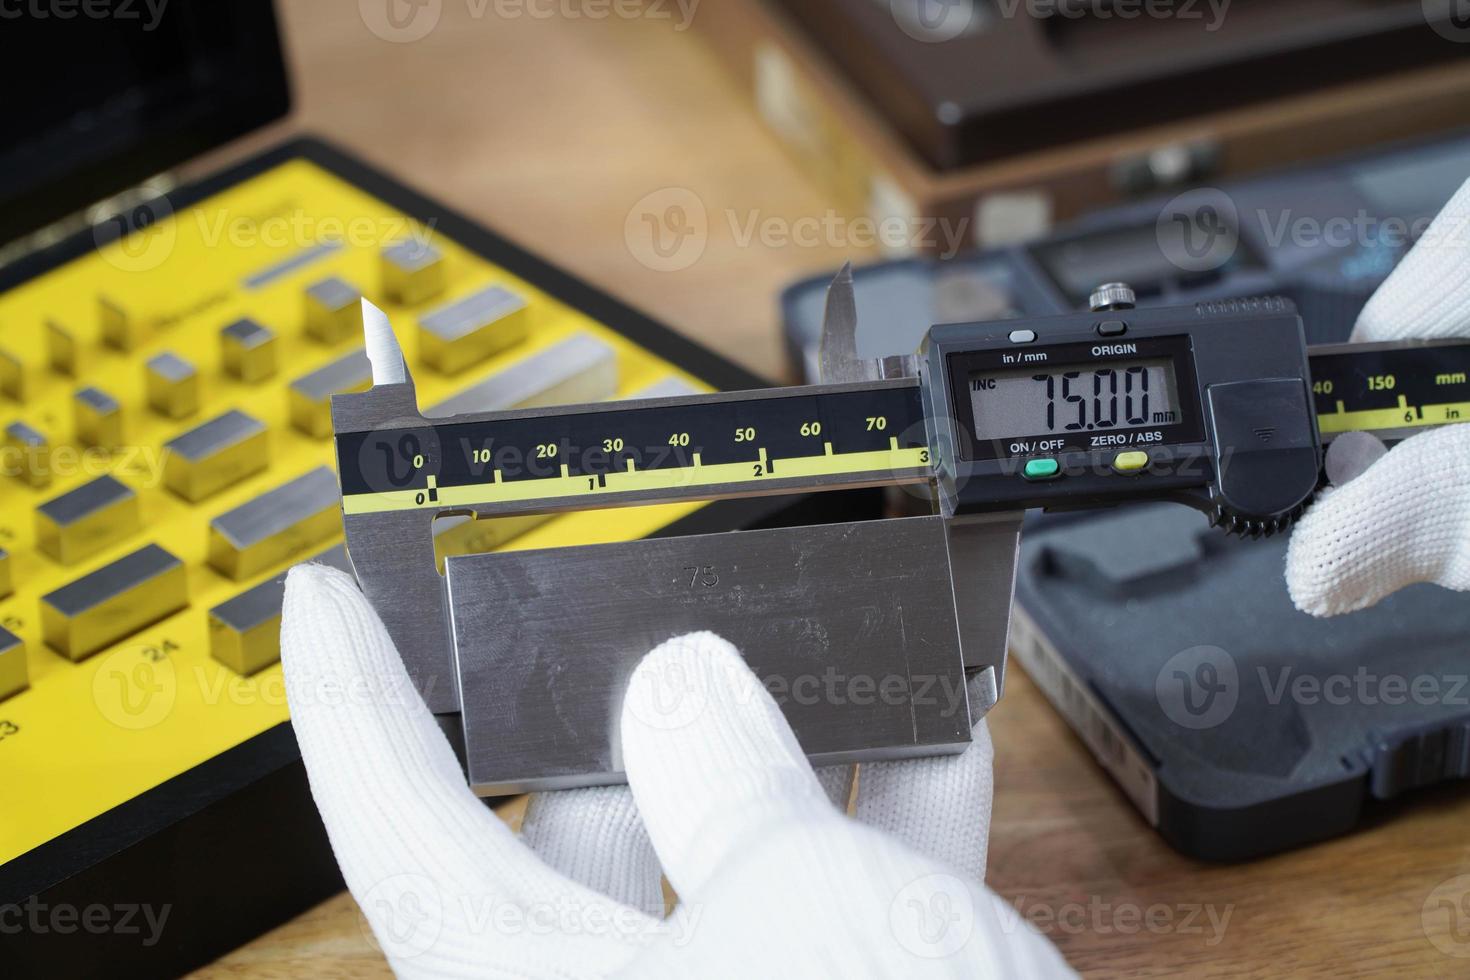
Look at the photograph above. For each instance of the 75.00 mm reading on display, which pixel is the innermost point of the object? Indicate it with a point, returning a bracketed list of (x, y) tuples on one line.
[(1122, 395)]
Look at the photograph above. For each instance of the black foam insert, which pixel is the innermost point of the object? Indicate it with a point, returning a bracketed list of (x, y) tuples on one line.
[(1137, 601)]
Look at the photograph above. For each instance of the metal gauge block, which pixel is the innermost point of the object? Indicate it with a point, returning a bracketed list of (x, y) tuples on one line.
[(210, 457), (465, 332), (413, 271), (249, 351), (332, 310), (818, 613), (311, 394), (276, 525), (84, 521), (173, 386), (97, 417), (245, 631), (14, 673), (28, 454), (13, 376), (114, 602)]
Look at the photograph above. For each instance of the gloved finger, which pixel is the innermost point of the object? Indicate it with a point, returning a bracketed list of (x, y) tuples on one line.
[(441, 880), (754, 846), (595, 837), (939, 806), (710, 758), (1406, 519), (1428, 294), (1351, 455)]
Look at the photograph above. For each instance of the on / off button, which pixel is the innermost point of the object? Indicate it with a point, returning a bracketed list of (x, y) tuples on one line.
[(1041, 469), (1131, 461)]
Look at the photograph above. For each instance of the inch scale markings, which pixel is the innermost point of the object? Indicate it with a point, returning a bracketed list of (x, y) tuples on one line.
[(1404, 416), (1386, 387)]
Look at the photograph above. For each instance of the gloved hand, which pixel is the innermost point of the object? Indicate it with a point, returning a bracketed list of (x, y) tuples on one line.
[(1406, 517), (772, 879)]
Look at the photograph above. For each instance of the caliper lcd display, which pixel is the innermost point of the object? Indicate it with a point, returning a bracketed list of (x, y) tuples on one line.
[(1047, 400), (1030, 399)]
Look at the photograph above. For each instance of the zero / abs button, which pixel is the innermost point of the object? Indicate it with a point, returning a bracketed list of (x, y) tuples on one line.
[(1133, 461)]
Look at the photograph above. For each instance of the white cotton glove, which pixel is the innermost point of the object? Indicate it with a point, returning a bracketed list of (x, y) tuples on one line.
[(772, 879), (1406, 518)]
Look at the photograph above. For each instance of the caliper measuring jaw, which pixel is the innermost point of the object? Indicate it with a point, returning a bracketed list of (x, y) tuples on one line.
[(866, 633)]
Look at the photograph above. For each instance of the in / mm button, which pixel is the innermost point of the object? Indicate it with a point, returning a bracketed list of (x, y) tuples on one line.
[(1130, 462)]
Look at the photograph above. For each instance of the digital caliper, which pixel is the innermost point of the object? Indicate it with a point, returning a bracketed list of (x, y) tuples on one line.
[(865, 632)]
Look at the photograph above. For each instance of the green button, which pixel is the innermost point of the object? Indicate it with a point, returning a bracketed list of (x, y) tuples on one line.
[(1041, 469)]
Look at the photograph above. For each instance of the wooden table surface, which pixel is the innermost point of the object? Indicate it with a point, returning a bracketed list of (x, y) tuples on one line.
[(552, 130)]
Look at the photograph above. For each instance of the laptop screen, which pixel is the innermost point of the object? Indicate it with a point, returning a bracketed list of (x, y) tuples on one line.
[(103, 94)]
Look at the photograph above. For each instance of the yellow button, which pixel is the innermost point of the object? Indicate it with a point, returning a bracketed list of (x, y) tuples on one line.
[(1130, 462)]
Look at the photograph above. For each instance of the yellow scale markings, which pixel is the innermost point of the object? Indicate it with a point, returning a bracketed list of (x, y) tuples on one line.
[(632, 480), (1342, 420)]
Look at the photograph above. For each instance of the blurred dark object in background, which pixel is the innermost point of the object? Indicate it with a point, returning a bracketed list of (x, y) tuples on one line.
[(994, 124), (126, 97), (969, 81), (1324, 236)]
